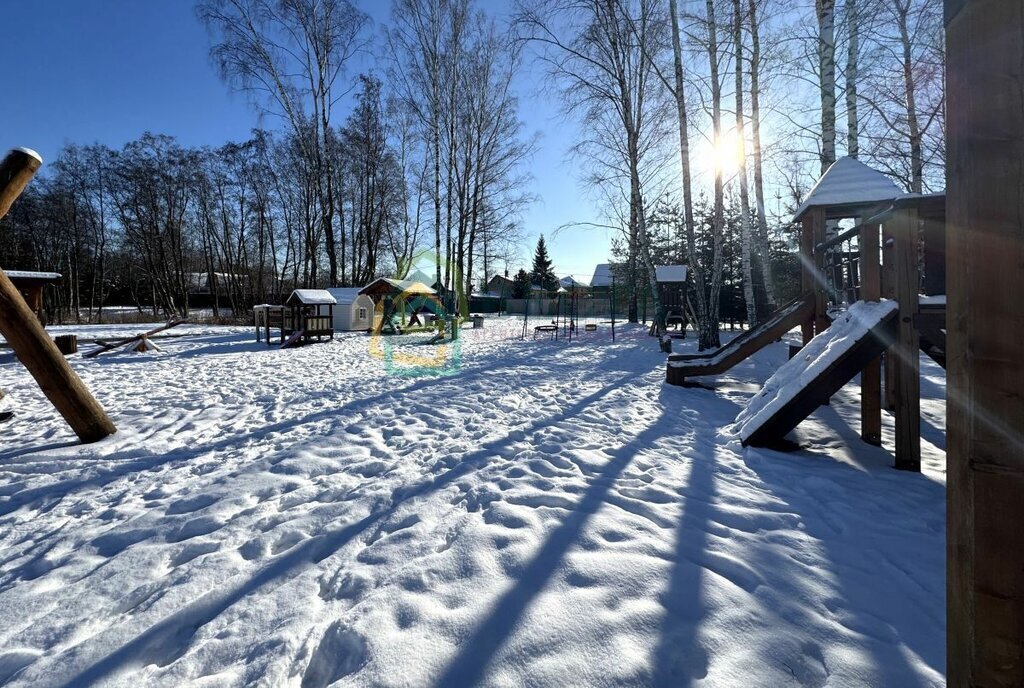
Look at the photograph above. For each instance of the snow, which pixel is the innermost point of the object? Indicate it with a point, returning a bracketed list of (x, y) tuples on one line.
[(30, 152), (549, 514), (848, 328), (31, 274), (670, 273), (934, 300), (313, 297), (92, 333), (849, 182)]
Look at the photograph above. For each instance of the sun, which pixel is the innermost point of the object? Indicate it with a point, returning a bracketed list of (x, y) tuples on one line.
[(723, 155)]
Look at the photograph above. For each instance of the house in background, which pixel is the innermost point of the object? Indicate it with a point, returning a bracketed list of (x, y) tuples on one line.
[(31, 286), (500, 286), (353, 312)]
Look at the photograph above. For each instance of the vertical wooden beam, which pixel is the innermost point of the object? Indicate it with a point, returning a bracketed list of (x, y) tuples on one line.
[(906, 361), (871, 376), (821, 321), (26, 335), (985, 338), (888, 282), (808, 280)]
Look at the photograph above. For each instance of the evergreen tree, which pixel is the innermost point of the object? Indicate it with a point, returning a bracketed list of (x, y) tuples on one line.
[(543, 273), (521, 285)]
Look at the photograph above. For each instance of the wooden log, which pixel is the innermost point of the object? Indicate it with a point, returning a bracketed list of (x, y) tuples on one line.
[(26, 335), (107, 346), (871, 376), (984, 334), (67, 344), (16, 171), (40, 356), (906, 361)]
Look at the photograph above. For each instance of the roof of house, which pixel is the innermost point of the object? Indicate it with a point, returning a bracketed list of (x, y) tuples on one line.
[(670, 273), (33, 275), (849, 182), (569, 282), (311, 297), (345, 296), (386, 285), (602, 275)]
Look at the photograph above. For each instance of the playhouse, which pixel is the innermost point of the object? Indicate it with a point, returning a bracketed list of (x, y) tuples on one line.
[(353, 311)]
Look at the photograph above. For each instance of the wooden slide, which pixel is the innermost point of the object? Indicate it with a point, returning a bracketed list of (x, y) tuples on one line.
[(682, 366), (822, 367)]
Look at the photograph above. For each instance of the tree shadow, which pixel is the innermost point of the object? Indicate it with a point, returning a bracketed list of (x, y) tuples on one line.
[(169, 639), (476, 654), (680, 658), (908, 608)]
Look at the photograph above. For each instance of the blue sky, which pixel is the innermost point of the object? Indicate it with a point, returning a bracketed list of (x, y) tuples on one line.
[(108, 70)]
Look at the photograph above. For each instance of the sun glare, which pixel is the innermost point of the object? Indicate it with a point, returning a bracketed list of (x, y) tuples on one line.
[(724, 154)]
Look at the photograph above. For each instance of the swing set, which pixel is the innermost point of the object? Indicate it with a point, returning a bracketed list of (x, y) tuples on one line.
[(565, 324)]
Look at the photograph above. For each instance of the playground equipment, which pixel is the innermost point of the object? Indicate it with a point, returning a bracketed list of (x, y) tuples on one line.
[(845, 276), (23, 331), (300, 320), (573, 308), (140, 341), (672, 287)]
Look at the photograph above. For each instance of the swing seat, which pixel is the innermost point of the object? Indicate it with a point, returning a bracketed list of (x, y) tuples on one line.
[(591, 327)]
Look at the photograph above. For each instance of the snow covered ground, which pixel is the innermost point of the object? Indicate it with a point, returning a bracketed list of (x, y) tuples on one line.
[(543, 514)]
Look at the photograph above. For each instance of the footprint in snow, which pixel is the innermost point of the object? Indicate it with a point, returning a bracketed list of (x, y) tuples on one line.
[(341, 652)]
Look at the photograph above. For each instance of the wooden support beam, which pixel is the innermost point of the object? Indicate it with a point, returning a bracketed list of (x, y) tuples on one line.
[(821, 321), (871, 376), (906, 357), (26, 335), (808, 278), (888, 282), (985, 336)]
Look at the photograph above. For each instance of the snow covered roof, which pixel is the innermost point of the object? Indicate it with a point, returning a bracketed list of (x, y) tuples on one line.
[(849, 182), (345, 296), (602, 275), (312, 297), (387, 284), (32, 275), (569, 282), (670, 273)]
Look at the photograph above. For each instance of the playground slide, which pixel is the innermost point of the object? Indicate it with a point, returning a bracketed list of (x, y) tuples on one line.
[(682, 366), (822, 367), (294, 339)]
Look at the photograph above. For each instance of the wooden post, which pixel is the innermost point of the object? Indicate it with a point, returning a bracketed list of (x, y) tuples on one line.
[(889, 292), (26, 335), (871, 376), (808, 280), (985, 336), (906, 361), (821, 321)]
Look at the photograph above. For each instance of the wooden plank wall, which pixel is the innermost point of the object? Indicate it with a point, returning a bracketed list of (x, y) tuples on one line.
[(985, 335)]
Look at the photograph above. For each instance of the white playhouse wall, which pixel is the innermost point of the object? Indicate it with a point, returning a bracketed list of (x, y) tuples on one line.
[(354, 311)]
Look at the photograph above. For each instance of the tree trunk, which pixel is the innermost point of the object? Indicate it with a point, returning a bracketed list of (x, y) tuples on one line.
[(827, 80), (763, 246), (745, 228), (913, 127), (852, 66), (709, 335)]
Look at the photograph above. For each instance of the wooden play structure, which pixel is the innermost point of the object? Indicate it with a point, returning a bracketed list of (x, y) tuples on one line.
[(406, 306), (23, 331), (875, 260), (306, 316), (672, 285), (32, 286)]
